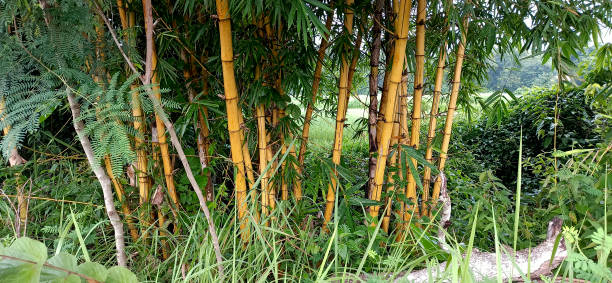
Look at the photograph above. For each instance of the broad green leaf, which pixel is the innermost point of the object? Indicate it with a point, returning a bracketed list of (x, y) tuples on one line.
[(93, 270), (63, 261), (118, 274), (22, 261)]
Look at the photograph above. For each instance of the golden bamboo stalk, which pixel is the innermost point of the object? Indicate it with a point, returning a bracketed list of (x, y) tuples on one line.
[(340, 118), (246, 154), (127, 22), (395, 78), (415, 130), (263, 158), (384, 97), (403, 140), (392, 162), (233, 112), (452, 106), (315, 90), (431, 134), (353, 67), (121, 197), (161, 128)]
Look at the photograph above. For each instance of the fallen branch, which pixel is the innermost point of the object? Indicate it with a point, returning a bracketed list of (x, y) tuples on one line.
[(514, 266)]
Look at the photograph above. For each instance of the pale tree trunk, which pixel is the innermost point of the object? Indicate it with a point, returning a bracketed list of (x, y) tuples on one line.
[(395, 77), (340, 119), (104, 180)]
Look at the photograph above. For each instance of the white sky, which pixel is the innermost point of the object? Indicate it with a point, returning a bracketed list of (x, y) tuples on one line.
[(606, 35)]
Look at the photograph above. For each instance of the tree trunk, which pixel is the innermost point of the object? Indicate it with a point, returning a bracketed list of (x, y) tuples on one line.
[(373, 91), (104, 180), (452, 106), (161, 129), (233, 112), (395, 77), (415, 130), (340, 118), (431, 134)]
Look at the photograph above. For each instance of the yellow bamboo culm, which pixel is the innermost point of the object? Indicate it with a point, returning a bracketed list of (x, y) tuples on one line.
[(403, 140), (233, 112), (340, 117), (431, 134), (246, 154), (395, 78), (121, 197), (353, 68), (384, 97), (263, 158), (392, 162), (452, 106), (269, 154), (161, 130), (416, 106), (315, 90), (127, 22)]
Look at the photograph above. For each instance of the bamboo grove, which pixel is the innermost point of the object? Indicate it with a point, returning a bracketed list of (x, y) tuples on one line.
[(223, 92)]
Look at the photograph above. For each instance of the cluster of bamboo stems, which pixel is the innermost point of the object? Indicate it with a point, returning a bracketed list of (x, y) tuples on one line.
[(388, 122)]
